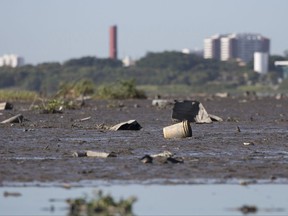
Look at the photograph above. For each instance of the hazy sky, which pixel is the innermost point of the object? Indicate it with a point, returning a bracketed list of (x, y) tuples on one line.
[(58, 30)]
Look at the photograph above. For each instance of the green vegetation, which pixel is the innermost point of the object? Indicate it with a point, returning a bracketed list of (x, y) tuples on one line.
[(100, 205), (73, 90), (16, 95), (125, 89), (88, 75)]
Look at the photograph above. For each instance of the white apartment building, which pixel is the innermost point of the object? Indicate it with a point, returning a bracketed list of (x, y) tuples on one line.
[(212, 47), (11, 61), (235, 46), (261, 62)]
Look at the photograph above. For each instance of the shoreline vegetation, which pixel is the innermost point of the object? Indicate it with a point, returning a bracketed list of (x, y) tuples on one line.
[(166, 73), (117, 92)]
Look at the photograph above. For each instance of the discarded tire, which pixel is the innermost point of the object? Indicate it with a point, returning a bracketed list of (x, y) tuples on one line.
[(179, 130)]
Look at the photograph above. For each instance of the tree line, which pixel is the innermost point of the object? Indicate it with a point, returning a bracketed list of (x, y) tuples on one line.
[(163, 68)]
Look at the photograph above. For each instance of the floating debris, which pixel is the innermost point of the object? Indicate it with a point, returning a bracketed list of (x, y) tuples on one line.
[(246, 209), (12, 194)]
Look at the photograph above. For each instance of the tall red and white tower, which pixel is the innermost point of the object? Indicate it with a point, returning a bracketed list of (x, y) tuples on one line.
[(113, 42)]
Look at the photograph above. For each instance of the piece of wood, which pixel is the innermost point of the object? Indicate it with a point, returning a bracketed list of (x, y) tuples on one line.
[(15, 119)]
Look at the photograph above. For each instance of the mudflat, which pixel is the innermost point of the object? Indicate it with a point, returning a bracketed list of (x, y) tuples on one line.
[(251, 143)]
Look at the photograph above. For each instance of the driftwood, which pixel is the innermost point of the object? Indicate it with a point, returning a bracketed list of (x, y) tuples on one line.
[(15, 119)]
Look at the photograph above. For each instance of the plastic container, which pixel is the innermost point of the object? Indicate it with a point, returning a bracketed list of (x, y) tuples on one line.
[(179, 130)]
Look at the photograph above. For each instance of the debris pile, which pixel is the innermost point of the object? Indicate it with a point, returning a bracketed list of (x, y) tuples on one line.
[(192, 111)]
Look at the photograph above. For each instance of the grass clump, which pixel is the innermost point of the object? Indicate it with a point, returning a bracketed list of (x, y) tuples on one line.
[(101, 205), (73, 90), (125, 89)]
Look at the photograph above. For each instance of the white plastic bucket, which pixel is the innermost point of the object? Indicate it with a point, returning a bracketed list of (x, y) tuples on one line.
[(179, 130)]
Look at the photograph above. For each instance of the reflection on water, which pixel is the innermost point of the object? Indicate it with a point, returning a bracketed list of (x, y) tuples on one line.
[(198, 199)]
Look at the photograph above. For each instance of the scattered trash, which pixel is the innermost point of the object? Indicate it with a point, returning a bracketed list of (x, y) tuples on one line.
[(102, 126), (94, 154), (179, 130), (279, 96), (246, 209), (6, 106), (174, 160), (129, 125), (85, 119), (15, 119), (215, 118), (146, 159), (165, 157), (161, 103), (248, 143), (238, 129), (193, 111), (163, 154), (247, 182), (222, 95)]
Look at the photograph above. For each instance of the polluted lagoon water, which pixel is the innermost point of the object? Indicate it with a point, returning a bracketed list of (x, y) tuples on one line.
[(198, 199), (249, 146)]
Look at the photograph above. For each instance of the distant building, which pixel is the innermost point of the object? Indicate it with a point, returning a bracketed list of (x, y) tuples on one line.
[(128, 61), (235, 46), (186, 51), (11, 61), (261, 62), (113, 42), (212, 47), (284, 65), (195, 51)]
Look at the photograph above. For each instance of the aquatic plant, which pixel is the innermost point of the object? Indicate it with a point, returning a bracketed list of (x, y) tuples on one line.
[(100, 205)]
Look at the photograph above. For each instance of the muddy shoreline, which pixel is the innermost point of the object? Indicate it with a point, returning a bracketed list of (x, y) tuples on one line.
[(40, 149)]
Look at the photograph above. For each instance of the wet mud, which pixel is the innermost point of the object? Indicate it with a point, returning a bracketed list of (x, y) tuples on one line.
[(251, 143)]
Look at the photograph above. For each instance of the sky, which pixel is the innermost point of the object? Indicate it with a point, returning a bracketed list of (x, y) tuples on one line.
[(59, 30)]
